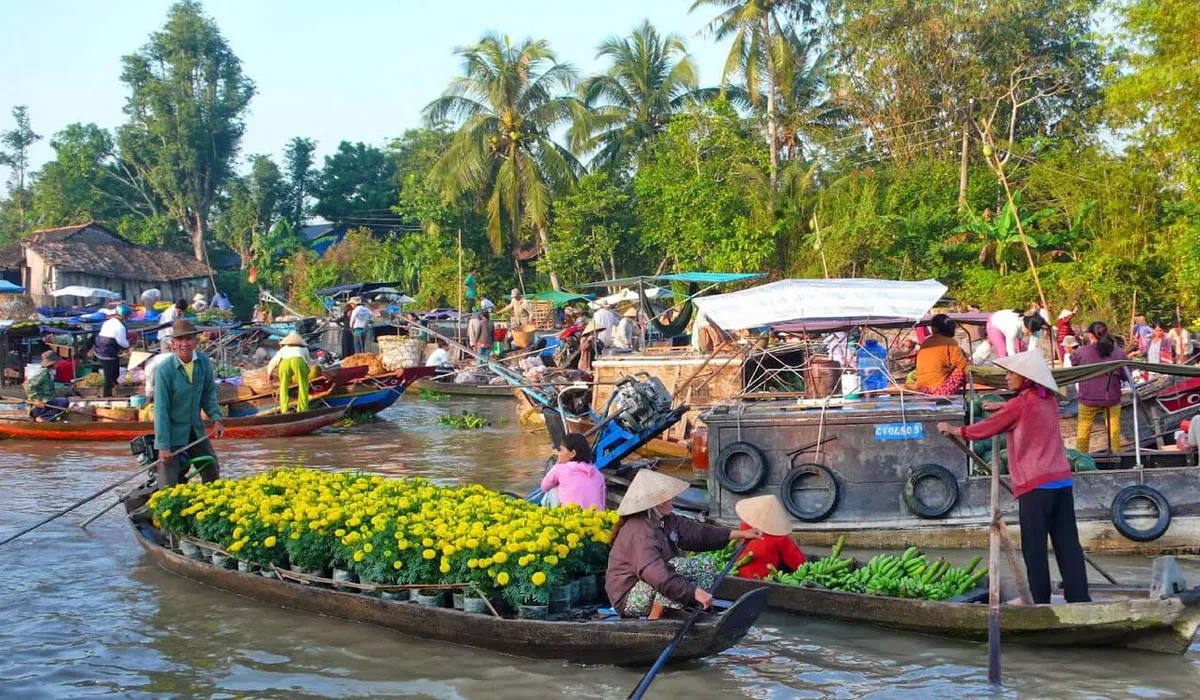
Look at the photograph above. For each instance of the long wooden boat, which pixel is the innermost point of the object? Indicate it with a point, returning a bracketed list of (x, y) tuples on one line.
[(622, 642), (1117, 617), (368, 395), (503, 391), (252, 428)]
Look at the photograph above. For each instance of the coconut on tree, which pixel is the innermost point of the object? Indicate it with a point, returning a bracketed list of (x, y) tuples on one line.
[(508, 101)]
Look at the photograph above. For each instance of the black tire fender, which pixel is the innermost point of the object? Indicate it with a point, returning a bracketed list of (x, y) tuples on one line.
[(1126, 528), (823, 508), (738, 453), (922, 509)]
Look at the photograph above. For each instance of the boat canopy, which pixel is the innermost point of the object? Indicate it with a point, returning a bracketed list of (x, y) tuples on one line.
[(7, 287), (629, 296), (353, 290), (76, 290), (810, 300), (559, 299), (695, 277), (845, 324)]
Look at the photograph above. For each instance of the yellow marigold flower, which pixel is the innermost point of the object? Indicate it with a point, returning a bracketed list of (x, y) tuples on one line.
[(472, 563), (500, 557), (538, 578), (551, 560), (269, 542), (428, 554), (427, 542), (502, 578), (358, 555), (368, 548), (448, 550), (340, 532), (444, 568), (166, 513), (397, 565)]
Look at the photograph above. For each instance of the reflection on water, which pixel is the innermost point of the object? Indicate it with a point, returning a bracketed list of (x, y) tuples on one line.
[(85, 614)]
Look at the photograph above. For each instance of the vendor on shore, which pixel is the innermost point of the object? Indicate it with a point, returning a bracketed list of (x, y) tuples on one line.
[(776, 550), (645, 563), (292, 362), (1009, 332), (1041, 475), (39, 390), (183, 385), (520, 313), (941, 364)]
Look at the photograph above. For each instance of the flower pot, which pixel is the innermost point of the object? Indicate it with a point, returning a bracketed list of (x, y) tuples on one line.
[(398, 596), (191, 551), (268, 573), (457, 597), (477, 606), (560, 599), (430, 599), (302, 570), (586, 588), (532, 612), (573, 587), (246, 567), (222, 561), (344, 576)]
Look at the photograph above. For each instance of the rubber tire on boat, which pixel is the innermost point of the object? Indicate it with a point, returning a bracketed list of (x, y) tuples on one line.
[(758, 465), (1122, 499), (925, 510), (788, 498)]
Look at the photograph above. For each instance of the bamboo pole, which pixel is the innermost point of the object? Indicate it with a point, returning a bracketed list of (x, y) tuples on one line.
[(994, 571)]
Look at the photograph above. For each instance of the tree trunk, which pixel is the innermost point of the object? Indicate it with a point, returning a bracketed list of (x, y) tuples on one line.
[(544, 240), (199, 230), (962, 172), (772, 126)]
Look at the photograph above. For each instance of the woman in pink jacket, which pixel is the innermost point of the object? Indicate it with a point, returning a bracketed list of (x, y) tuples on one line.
[(574, 479)]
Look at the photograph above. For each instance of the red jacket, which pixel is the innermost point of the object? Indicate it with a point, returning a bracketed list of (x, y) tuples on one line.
[(1035, 447), (780, 551)]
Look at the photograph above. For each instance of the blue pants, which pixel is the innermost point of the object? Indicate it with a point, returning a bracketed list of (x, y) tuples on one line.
[(360, 340), (48, 413)]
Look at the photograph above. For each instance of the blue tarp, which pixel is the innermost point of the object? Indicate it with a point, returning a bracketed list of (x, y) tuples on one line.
[(696, 277), (7, 287)]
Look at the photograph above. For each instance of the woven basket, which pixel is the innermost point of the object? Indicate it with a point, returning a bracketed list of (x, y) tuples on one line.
[(398, 352), (524, 336)]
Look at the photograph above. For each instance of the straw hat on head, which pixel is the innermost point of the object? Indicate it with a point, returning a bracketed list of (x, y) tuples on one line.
[(589, 328), (649, 489), (50, 358), (1031, 365), (764, 513), (294, 339), (630, 313), (183, 328), (355, 300)]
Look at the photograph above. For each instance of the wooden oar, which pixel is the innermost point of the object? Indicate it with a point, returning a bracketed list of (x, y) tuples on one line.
[(96, 495), (647, 679), (979, 460)]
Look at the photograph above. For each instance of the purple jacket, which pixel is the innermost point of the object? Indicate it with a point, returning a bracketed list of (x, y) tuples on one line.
[(1101, 391)]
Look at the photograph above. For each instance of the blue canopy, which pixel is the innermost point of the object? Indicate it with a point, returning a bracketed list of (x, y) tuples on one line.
[(7, 287), (696, 277)]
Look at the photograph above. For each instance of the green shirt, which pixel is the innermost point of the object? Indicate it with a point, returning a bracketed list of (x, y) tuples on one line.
[(177, 401), (40, 387), (470, 283)]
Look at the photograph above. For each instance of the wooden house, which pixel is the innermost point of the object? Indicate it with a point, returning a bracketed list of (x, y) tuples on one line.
[(91, 255)]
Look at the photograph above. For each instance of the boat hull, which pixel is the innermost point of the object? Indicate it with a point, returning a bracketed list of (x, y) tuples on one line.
[(627, 642), (275, 426), (1163, 626), (370, 395), (503, 391)]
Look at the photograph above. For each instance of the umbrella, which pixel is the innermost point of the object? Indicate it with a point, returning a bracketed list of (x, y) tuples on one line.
[(76, 290), (7, 287)]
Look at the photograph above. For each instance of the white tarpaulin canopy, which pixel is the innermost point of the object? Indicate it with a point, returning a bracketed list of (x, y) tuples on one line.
[(629, 296), (76, 290), (799, 300)]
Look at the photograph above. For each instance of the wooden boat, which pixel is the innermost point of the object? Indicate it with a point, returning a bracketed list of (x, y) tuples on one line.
[(368, 395), (1118, 617), (623, 642), (442, 387), (253, 428)]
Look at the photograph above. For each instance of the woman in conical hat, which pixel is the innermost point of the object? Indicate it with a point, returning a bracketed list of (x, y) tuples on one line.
[(292, 362), (776, 549), (645, 563), (1041, 475)]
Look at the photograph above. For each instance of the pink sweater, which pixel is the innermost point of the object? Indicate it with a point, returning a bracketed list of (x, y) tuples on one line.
[(578, 482), (1035, 447)]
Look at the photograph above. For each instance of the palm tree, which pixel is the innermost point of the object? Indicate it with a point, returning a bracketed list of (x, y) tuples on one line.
[(508, 101), (757, 52), (807, 108), (649, 78), (999, 232)]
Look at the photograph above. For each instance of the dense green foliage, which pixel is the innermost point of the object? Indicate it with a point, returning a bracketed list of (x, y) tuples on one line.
[(840, 139)]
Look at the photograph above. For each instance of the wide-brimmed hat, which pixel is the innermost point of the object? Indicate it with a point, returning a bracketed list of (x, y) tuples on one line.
[(649, 489), (137, 358), (1065, 313), (514, 293), (50, 358), (294, 339), (1070, 341), (589, 328), (764, 513), (354, 300), (183, 328), (630, 313), (1031, 365), (199, 295)]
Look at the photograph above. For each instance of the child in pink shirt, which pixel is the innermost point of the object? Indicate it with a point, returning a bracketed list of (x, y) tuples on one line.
[(574, 479)]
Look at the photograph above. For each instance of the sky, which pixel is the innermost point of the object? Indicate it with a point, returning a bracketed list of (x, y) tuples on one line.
[(353, 70)]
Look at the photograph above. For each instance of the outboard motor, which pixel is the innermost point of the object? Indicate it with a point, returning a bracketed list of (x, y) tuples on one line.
[(640, 405)]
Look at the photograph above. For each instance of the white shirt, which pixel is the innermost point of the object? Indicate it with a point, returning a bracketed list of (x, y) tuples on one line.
[(605, 320), (1012, 325), (148, 370), (437, 358), (113, 328), (284, 353), (623, 338), (1154, 351), (167, 316), (361, 317)]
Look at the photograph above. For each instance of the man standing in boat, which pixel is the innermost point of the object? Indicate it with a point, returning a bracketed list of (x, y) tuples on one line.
[(183, 385), (1041, 475)]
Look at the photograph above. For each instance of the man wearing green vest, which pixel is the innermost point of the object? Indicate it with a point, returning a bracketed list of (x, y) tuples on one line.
[(183, 385)]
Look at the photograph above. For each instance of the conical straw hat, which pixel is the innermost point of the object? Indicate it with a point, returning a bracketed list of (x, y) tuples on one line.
[(294, 338), (649, 488), (765, 513), (1032, 366)]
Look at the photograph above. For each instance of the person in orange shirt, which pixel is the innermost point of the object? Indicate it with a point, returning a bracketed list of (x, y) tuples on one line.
[(776, 549), (941, 364)]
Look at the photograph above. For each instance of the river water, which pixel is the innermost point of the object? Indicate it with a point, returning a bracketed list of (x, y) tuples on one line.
[(83, 613)]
